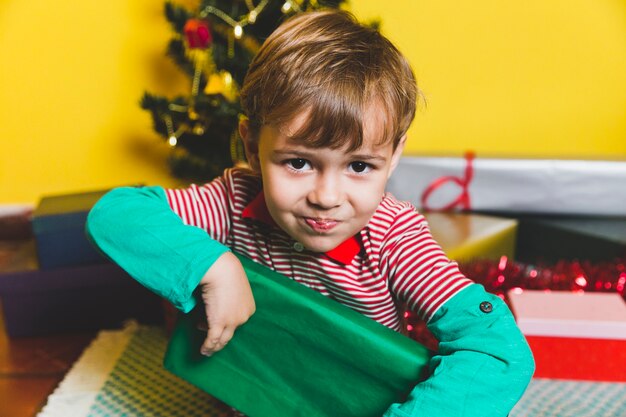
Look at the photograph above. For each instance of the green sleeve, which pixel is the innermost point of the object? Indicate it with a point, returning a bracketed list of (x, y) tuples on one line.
[(136, 228), (483, 364)]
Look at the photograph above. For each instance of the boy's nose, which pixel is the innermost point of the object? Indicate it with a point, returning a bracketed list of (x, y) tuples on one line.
[(327, 192)]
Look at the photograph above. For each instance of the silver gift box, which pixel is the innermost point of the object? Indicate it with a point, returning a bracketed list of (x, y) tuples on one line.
[(549, 186)]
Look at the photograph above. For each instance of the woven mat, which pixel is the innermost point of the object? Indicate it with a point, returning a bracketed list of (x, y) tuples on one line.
[(121, 374)]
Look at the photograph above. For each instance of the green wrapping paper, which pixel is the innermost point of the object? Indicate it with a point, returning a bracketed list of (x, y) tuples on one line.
[(300, 354)]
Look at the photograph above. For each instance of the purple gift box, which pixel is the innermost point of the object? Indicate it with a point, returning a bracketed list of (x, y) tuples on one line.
[(70, 299)]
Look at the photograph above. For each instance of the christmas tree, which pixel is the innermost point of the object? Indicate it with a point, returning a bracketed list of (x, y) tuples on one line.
[(214, 45)]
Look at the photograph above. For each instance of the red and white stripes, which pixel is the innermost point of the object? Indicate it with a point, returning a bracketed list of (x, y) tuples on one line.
[(399, 260)]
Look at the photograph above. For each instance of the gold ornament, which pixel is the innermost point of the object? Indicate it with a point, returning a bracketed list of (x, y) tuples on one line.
[(198, 129)]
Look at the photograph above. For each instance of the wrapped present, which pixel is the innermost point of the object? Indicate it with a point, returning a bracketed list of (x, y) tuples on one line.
[(59, 229), (84, 298), (465, 237), (513, 185), (300, 354), (556, 238), (573, 335)]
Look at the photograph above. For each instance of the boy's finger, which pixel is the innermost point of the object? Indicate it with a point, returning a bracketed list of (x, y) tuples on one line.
[(227, 334), (211, 343), (224, 338)]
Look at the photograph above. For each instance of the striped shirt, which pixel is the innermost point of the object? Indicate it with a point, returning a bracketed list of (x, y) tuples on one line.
[(392, 261)]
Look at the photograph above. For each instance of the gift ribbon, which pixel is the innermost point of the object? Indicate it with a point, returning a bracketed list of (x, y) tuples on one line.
[(463, 200)]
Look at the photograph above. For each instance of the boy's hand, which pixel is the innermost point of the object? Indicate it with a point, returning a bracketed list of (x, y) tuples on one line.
[(228, 301)]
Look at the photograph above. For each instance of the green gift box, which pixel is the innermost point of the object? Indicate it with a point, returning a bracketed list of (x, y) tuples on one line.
[(556, 238), (300, 354), (552, 238)]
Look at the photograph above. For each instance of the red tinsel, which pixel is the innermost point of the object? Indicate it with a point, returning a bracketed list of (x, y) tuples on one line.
[(498, 277)]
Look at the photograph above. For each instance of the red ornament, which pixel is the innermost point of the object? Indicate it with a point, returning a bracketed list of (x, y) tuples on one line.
[(198, 34)]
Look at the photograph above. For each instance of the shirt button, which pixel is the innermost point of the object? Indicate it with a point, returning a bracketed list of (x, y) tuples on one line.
[(486, 307), (299, 247)]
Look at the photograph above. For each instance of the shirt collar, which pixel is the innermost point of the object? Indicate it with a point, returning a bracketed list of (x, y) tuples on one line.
[(344, 253)]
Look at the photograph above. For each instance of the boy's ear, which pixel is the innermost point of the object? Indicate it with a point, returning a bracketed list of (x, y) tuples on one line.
[(397, 154), (250, 145)]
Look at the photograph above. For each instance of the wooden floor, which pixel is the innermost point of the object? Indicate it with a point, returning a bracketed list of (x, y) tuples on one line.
[(30, 368)]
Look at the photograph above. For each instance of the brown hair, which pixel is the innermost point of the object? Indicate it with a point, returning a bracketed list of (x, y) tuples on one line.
[(329, 65)]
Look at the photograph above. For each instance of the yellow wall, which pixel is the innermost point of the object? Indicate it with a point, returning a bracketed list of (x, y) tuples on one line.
[(515, 78), (503, 78), (72, 75)]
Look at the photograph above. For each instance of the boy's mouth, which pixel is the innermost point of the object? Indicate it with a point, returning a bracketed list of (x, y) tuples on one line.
[(320, 225)]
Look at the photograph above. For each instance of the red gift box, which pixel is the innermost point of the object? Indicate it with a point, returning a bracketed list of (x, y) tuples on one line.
[(572, 335)]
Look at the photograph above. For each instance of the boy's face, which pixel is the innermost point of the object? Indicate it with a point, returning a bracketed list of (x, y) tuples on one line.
[(321, 196)]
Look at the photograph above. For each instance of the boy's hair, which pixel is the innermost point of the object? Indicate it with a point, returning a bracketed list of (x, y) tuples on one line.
[(329, 65)]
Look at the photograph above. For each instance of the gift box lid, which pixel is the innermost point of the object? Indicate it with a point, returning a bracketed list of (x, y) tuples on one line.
[(300, 354), (548, 186), (20, 273), (569, 314), (68, 210), (464, 236)]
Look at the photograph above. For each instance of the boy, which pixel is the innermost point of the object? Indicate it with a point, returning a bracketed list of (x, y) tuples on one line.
[(328, 103)]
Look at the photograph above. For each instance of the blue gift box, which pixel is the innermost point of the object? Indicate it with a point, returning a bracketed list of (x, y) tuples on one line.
[(59, 229)]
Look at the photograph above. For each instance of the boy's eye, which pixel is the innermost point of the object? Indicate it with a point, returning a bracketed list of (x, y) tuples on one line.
[(298, 163), (359, 167)]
